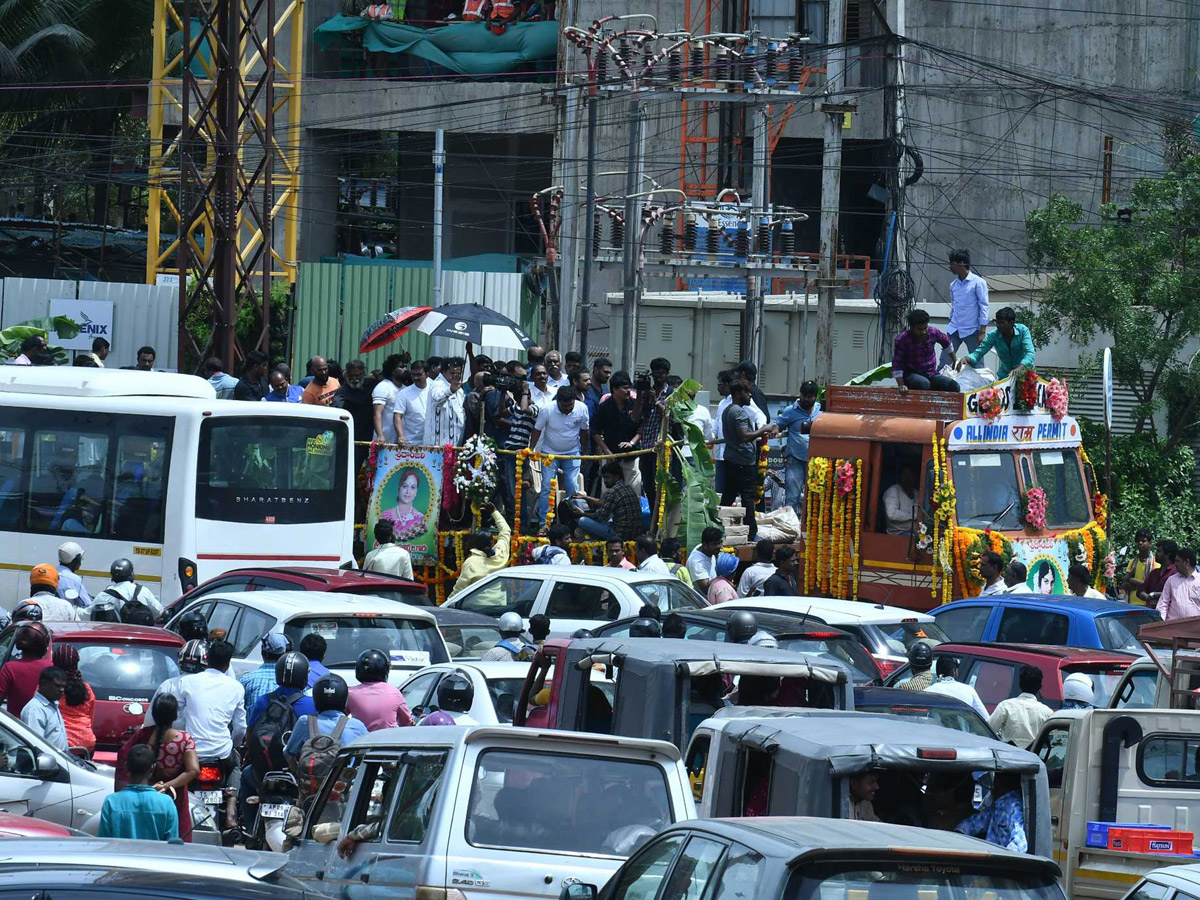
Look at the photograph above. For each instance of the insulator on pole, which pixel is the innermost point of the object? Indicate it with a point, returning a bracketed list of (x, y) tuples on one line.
[(601, 66), (787, 239), (764, 236), (596, 236), (772, 65), (616, 234), (666, 238), (689, 232), (675, 66), (742, 242), (696, 64), (749, 66), (795, 66), (714, 235)]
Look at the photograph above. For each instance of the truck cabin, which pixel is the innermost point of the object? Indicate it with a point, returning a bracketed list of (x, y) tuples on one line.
[(1174, 648), (662, 689), (822, 763)]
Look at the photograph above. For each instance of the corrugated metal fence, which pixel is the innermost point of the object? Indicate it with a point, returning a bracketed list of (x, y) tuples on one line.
[(143, 314)]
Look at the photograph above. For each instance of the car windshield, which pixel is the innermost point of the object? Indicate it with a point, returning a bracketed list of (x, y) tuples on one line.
[(669, 595), (605, 806), (902, 879), (1104, 680), (986, 489), (405, 641), (848, 651), (411, 597), (902, 635), (126, 672), (469, 641), (948, 717), (1118, 631), (505, 692)]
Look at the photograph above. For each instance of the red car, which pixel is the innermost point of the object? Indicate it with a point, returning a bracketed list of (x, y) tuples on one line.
[(124, 664), (14, 826), (308, 578), (992, 669)]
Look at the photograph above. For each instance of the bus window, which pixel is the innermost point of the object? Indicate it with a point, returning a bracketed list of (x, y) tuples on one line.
[(985, 485), (12, 457), (140, 492), (1059, 476), (69, 488), (287, 472)]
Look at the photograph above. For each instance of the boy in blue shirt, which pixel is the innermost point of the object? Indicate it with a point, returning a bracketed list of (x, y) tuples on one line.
[(138, 811)]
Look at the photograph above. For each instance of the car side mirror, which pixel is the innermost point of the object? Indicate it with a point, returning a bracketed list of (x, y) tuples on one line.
[(47, 765), (577, 890)]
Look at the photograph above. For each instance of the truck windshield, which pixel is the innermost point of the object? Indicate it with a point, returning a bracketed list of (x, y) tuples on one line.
[(988, 495), (1067, 500), (607, 806), (901, 879)]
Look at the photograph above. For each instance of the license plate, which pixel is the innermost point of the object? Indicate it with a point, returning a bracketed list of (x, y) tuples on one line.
[(275, 810), (210, 796)]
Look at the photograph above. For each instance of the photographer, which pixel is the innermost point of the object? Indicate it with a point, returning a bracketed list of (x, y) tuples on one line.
[(652, 392), (516, 420)]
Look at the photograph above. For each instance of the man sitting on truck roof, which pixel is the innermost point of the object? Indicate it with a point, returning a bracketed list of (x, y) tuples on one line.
[(1012, 342), (914, 360)]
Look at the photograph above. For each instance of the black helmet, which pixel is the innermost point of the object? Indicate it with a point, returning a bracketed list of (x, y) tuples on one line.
[(920, 655), (104, 611), (372, 665), (121, 570), (193, 656), (456, 693), (741, 627), (291, 670), (582, 633), (645, 627), (192, 626), (32, 639), (27, 611), (330, 692)]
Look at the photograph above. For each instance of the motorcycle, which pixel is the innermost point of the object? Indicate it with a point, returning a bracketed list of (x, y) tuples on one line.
[(277, 797), (208, 796)]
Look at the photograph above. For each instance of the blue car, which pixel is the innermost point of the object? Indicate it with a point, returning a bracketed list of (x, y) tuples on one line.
[(1045, 619)]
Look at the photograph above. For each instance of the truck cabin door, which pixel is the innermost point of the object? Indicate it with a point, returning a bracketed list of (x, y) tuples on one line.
[(1053, 746)]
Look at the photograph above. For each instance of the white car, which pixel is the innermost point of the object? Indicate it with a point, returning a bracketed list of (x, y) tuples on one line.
[(350, 624), (497, 687), (574, 597), (886, 631)]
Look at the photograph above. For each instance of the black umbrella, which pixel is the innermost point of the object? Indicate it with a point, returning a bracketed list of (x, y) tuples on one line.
[(476, 325)]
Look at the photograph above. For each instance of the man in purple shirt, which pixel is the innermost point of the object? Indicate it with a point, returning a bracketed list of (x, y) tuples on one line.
[(914, 361)]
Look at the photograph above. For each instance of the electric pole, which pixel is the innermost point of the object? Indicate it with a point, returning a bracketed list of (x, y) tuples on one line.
[(633, 179), (760, 206), (831, 188)]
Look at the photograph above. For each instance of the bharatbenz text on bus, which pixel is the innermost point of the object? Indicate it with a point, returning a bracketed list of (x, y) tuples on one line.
[(1000, 468), (152, 467)]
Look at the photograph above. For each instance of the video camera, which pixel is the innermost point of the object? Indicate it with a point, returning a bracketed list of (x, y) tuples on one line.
[(641, 379), (510, 383)]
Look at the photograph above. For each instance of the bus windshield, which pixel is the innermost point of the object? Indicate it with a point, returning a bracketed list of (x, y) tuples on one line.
[(986, 489), (277, 472), (1067, 501)]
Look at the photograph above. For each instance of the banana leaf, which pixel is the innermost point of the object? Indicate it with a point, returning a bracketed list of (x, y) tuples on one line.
[(873, 376), (698, 501), (12, 337)]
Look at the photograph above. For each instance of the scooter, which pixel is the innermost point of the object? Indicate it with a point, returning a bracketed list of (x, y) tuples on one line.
[(276, 798)]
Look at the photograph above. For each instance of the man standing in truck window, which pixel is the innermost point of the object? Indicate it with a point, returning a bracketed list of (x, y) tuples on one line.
[(914, 363)]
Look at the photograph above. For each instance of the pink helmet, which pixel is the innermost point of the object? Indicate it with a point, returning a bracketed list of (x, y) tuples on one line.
[(438, 718)]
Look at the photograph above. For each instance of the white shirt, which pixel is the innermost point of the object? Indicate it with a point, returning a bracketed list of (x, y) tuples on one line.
[(413, 404), (553, 384), (127, 589), (701, 566), (390, 559), (541, 399), (968, 305), (703, 420), (215, 716), (950, 687), (560, 431), (900, 508), (655, 566), (385, 395), (444, 424), (718, 451), (171, 686), (55, 608), (998, 588), (1019, 719), (754, 578)]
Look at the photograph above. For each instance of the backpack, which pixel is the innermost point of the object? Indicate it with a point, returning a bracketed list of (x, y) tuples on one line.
[(317, 755), (133, 611), (265, 741)]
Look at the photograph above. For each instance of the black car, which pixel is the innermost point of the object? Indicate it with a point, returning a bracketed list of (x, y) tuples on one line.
[(791, 632), (947, 711), (468, 635)]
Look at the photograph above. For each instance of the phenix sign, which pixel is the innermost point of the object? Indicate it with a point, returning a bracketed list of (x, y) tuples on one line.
[(95, 319)]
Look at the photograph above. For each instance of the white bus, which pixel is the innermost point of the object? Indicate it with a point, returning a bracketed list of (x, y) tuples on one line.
[(151, 466)]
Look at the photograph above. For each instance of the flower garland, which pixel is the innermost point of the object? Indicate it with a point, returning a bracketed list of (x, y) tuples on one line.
[(1025, 382), (1056, 399), (833, 513), (518, 488), (857, 527), (662, 488), (991, 403), (845, 477), (449, 461), (1100, 509), (1034, 501), (814, 517), (762, 471), (969, 546), (945, 500), (1085, 546), (476, 471)]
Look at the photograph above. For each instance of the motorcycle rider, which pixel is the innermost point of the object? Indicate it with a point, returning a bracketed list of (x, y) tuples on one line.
[(262, 681), (70, 560), (27, 611), (43, 588), (456, 696), (192, 626), (124, 589), (19, 677), (511, 646), (305, 750), (742, 628), (193, 658), (920, 657), (645, 627), (373, 701)]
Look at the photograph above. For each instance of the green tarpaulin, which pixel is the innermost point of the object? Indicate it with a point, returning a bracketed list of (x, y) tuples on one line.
[(465, 48)]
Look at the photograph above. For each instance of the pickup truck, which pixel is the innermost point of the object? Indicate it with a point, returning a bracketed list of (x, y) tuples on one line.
[(485, 812), (1117, 765)]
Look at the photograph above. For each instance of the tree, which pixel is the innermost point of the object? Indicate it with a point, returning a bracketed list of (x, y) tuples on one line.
[(1135, 277)]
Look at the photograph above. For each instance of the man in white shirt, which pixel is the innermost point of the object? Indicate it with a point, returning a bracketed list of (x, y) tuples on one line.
[(412, 407), (215, 717), (900, 502), (991, 567), (968, 305), (1016, 578), (702, 561), (757, 574), (541, 392), (645, 554), (388, 557), (1018, 720), (123, 588), (383, 401), (561, 429), (446, 418), (948, 684), (555, 376)]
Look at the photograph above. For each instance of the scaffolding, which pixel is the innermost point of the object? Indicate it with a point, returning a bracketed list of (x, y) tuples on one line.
[(224, 164)]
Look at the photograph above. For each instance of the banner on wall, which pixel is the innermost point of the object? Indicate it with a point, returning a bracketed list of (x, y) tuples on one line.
[(407, 490)]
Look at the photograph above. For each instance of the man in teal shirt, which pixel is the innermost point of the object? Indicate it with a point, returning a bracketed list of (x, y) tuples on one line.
[(139, 811), (1012, 342)]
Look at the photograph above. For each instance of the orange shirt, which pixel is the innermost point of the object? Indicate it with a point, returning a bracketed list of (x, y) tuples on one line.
[(320, 394)]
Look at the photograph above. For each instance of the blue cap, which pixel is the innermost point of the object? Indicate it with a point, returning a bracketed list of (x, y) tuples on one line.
[(727, 564), (276, 644)]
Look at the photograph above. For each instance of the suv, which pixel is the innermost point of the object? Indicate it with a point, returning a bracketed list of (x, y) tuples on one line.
[(123, 664), (1045, 619), (992, 669), (308, 578), (886, 631)]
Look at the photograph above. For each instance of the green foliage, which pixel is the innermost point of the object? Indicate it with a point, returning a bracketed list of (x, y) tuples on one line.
[(12, 337), (1134, 280), (698, 499)]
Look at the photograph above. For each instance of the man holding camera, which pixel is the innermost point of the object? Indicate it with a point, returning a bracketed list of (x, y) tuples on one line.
[(653, 391)]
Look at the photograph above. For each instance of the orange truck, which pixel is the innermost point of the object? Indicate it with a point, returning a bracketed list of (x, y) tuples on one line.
[(905, 491)]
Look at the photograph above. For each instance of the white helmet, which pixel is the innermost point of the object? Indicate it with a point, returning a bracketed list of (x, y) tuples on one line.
[(511, 623), (69, 551), (1078, 687)]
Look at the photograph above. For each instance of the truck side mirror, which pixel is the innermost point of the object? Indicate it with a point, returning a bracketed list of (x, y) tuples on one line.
[(577, 890)]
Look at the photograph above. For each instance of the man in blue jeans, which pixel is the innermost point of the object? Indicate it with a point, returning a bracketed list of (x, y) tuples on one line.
[(914, 360), (562, 429), (797, 419)]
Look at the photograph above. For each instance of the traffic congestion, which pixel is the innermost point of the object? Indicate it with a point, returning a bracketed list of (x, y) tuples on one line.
[(217, 678)]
